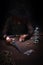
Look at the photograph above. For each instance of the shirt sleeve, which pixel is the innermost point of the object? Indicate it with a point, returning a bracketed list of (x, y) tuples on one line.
[(6, 26)]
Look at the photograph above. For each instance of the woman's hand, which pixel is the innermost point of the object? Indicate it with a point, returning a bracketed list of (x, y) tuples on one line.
[(22, 37), (8, 39)]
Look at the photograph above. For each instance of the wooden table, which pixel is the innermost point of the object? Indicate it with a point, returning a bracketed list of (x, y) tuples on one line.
[(20, 58)]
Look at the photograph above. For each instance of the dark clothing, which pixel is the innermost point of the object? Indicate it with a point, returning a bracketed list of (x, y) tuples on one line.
[(12, 28), (17, 29)]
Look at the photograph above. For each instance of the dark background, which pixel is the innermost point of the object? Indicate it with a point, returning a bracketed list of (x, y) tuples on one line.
[(22, 8), (30, 9)]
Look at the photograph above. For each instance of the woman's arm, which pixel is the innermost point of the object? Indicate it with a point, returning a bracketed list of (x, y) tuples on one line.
[(30, 29), (6, 26)]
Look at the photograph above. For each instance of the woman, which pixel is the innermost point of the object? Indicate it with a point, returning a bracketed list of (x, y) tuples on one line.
[(15, 27)]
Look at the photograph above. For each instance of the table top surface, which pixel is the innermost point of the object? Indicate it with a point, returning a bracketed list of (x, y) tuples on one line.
[(25, 47)]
